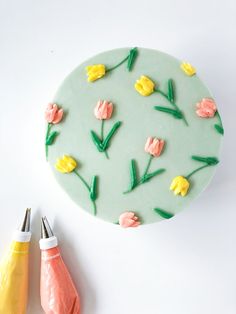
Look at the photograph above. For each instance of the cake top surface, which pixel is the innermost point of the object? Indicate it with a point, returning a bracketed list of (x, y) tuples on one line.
[(133, 136)]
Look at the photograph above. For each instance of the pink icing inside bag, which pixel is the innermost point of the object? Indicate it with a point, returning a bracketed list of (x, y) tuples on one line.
[(58, 293)]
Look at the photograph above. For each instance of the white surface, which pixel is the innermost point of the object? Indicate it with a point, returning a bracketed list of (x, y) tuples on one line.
[(182, 266)]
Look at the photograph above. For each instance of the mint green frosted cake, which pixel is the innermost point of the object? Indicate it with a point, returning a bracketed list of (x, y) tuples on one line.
[(133, 136)]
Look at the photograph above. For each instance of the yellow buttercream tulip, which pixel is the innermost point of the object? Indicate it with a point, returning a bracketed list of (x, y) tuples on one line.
[(180, 185), (95, 72), (65, 164), (188, 68), (144, 86)]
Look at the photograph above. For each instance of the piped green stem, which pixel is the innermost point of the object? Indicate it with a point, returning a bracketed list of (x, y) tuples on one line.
[(47, 134), (208, 161), (83, 180), (102, 130), (172, 103), (102, 143), (130, 60), (117, 65), (102, 136), (89, 189), (148, 166), (219, 127), (163, 213), (196, 170), (135, 182)]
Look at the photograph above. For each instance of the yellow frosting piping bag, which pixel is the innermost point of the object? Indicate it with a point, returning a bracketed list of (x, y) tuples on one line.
[(14, 271), (57, 290)]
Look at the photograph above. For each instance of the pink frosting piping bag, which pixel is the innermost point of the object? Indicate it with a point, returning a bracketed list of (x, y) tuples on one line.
[(57, 290)]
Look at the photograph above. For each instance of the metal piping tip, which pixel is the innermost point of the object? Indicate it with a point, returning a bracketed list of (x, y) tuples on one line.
[(25, 227), (46, 231)]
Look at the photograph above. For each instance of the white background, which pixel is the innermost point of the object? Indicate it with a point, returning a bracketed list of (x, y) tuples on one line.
[(183, 266)]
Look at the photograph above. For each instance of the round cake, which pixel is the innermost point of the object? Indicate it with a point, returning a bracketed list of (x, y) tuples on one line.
[(133, 136)]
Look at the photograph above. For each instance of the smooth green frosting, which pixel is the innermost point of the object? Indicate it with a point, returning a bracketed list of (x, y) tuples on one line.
[(139, 121)]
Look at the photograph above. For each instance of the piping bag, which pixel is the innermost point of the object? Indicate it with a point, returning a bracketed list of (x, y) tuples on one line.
[(14, 271), (57, 290)]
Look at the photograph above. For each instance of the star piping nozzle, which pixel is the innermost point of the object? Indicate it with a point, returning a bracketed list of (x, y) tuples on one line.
[(23, 233), (25, 227), (48, 240), (46, 231)]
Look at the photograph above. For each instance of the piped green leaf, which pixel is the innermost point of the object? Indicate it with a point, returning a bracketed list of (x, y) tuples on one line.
[(93, 189), (164, 214), (110, 134), (51, 137), (132, 57), (97, 141), (208, 160), (171, 94), (133, 174), (219, 129), (149, 176), (175, 113)]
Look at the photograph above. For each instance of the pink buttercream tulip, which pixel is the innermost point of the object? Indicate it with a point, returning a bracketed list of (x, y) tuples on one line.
[(128, 219), (103, 110), (206, 108), (154, 146), (53, 114)]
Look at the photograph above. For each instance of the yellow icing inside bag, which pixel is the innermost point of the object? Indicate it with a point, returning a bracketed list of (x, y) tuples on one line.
[(14, 279)]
